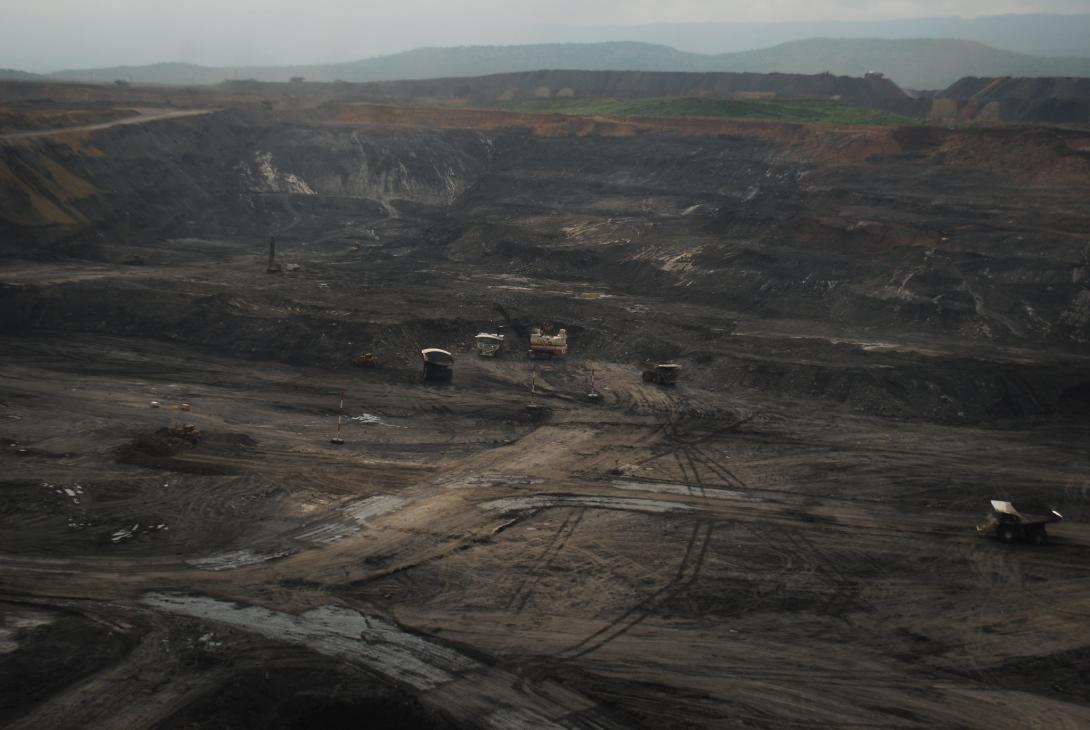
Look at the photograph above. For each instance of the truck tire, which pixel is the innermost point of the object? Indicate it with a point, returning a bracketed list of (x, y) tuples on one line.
[(1038, 536), (1007, 533)]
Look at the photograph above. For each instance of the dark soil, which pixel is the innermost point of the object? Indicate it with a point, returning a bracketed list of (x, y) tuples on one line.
[(878, 331)]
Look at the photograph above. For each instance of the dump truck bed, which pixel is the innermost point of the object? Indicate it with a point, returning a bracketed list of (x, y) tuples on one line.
[(1025, 513)]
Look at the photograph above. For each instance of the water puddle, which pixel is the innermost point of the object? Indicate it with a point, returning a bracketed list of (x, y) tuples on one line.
[(489, 480), (628, 504), (684, 490)]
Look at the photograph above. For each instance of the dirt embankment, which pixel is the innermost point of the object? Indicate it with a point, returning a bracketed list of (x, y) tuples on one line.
[(1004, 99), (69, 192), (911, 229), (1040, 155), (20, 118), (620, 84), (836, 145)]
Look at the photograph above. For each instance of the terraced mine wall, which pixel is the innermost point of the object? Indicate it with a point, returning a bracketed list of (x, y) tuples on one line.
[(622, 84), (985, 100), (844, 242), (1004, 99)]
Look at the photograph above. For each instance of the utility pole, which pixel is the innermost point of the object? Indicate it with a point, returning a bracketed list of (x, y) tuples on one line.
[(340, 416), (273, 268)]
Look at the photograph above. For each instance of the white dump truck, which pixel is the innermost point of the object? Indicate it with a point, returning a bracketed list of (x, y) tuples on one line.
[(545, 345), (438, 364), (489, 344), (1013, 521)]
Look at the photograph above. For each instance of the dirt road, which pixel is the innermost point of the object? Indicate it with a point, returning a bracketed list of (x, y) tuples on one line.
[(143, 116)]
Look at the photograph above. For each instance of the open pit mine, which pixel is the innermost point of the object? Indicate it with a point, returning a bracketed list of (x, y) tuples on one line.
[(320, 412)]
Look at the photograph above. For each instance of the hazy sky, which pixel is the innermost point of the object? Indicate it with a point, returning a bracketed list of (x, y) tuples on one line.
[(46, 35)]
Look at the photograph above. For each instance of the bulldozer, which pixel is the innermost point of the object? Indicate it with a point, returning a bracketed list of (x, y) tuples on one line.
[(365, 360), (187, 431)]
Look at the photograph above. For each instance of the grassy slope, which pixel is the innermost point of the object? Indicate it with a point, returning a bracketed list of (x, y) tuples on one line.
[(819, 111)]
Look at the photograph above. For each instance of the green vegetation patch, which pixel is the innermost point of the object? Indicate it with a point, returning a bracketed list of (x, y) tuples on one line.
[(816, 111)]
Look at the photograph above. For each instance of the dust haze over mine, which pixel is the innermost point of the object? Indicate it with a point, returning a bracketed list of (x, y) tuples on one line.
[(647, 372)]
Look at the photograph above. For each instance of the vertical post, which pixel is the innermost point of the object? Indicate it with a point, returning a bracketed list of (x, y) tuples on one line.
[(340, 413), (340, 417), (272, 252)]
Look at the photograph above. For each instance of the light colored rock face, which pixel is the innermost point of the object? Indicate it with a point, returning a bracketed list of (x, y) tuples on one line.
[(14, 623), (1077, 316), (264, 177), (421, 166)]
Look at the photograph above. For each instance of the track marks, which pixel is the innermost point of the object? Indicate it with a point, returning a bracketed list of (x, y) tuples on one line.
[(687, 573), (541, 566)]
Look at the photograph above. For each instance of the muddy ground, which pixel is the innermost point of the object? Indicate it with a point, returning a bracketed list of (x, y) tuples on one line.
[(872, 347)]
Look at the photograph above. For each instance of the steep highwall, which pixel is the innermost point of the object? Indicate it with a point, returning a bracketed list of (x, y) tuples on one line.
[(1027, 154), (1057, 100), (976, 234), (70, 192)]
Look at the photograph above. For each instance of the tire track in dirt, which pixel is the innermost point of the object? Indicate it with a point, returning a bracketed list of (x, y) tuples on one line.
[(688, 571), (676, 439), (729, 477), (524, 591)]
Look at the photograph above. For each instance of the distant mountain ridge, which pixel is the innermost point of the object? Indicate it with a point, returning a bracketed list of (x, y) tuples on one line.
[(17, 75), (1037, 34), (911, 63)]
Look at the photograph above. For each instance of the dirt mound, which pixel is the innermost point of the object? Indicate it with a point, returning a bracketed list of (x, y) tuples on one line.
[(1060, 100), (186, 450)]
